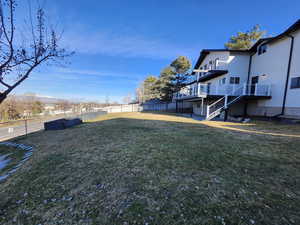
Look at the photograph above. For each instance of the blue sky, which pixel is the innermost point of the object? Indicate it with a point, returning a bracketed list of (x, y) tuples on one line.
[(119, 42)]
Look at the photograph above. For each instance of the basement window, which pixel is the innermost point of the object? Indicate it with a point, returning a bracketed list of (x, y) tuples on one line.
[(234, 80), (262, 49), (295, 82)]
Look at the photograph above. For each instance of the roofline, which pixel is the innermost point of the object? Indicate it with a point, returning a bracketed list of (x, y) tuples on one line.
[(224, 50), (205, 52), (253, 49), (291, 29), (212, 74)]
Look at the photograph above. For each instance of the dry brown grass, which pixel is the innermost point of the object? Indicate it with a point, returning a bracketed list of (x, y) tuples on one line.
[(143, 168)]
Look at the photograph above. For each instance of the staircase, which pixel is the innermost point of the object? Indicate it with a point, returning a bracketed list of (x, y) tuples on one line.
[(223, 103)]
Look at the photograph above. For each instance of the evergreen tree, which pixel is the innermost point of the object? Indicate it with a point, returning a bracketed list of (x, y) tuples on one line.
[(164, 84), (147, 89), (245, 40), (181, 66), (171, 79)]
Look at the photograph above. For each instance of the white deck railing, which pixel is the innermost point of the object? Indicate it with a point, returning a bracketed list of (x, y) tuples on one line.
[(204, 90)]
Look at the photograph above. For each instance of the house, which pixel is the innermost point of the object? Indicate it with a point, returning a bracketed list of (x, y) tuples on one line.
[(261, 81)]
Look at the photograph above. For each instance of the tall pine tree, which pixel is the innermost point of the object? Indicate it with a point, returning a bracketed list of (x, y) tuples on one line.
[(245, 40)]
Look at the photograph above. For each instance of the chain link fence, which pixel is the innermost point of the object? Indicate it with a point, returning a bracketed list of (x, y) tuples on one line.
[(18, 128)]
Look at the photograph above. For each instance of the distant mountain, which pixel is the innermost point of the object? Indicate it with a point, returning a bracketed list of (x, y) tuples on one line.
[(43, 99)]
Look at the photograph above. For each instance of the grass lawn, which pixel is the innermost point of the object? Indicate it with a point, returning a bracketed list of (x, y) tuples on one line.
[(143, 168)]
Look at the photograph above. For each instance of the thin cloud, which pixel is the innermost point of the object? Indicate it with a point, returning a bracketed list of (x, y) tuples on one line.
[(101, 74), (61, 73), (110, 44)]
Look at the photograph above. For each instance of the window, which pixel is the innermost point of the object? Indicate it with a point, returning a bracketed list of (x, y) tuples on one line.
[(295, 82), (262, 49), (222, 81), (201, 68), (234, 80)]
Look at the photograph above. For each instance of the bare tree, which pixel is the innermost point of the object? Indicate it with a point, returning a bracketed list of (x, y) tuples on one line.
[(20, 55)]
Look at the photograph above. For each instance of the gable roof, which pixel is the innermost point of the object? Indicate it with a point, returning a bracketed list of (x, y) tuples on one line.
[(291, 29), (253, 49)]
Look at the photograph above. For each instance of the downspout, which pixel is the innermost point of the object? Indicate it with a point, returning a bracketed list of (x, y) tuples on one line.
[(247, 87), (288, 75)]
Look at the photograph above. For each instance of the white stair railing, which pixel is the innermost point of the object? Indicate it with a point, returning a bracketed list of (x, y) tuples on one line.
[(218, 106), (215, 109)]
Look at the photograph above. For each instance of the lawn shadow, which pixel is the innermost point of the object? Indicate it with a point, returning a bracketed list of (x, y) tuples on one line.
[(269, 128)]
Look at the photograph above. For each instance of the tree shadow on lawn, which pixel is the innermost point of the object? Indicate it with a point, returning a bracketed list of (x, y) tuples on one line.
[(156, 169)]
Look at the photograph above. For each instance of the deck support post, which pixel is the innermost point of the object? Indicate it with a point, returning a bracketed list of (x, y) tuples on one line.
[(202, 106), (245, 89), (226, 115), (226, 101), (256, 91)]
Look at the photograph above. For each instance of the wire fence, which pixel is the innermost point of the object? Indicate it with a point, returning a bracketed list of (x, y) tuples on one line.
[(18, 128)]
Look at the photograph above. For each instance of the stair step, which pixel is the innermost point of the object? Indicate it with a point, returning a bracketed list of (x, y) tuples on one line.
[(218, 111)]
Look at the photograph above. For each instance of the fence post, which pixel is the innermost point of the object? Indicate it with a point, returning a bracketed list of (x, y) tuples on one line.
[(202, 106), (26, 128)]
